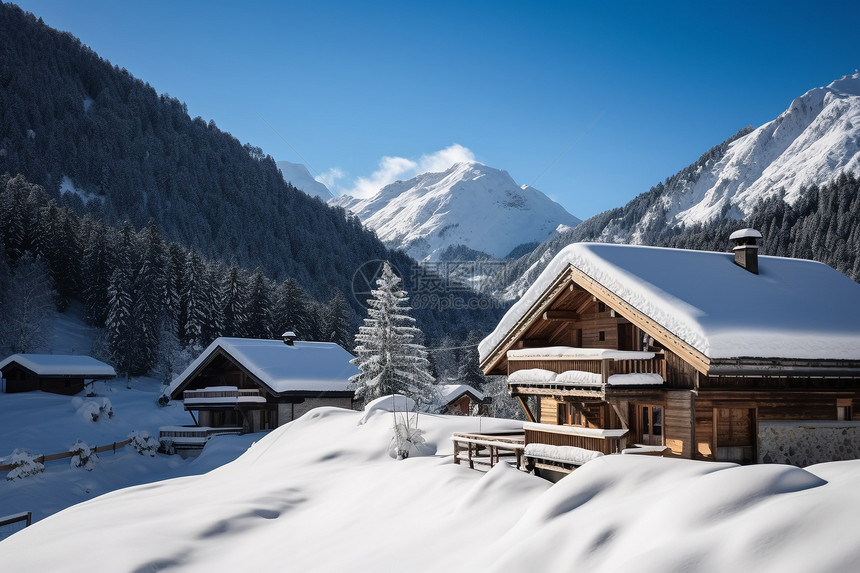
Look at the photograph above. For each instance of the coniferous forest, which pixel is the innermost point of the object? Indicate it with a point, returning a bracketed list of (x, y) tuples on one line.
[(169, 231)]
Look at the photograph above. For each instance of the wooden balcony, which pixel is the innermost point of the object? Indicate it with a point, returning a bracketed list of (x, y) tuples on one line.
[(221, 396), (591, 374), (594, 439)]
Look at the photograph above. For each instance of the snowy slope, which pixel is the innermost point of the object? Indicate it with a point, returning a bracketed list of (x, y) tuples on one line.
[(811, 142), (322, 494), (299, 177), (470, 204)]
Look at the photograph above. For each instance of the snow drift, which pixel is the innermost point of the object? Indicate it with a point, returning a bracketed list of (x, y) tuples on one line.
[(321, 494)]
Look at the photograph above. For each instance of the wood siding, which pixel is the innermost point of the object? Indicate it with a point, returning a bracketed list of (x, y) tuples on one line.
[(678, 421)]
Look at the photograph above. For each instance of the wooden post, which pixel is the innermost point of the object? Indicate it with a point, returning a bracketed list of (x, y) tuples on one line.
[(525, 406), (456, 452)]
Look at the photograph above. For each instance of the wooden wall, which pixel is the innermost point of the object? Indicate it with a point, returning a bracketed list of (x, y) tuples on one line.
[(678, 423)]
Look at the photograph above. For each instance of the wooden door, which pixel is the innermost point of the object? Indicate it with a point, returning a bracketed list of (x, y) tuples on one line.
[(735, 435)]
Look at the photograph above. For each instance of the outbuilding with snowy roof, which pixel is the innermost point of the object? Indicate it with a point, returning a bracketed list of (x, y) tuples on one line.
[(461, 400), (714, 356), (248, 385), (55, 373)]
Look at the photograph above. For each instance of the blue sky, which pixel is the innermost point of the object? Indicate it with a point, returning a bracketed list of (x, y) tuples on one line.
[(591, 102)]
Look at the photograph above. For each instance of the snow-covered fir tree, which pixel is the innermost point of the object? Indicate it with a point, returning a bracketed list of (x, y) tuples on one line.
[(119, 329), (28, 307), (389, 359), (234, 289)]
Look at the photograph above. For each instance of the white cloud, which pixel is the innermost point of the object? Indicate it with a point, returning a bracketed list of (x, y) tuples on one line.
[(331, 177), (445, 158), (392, 169)]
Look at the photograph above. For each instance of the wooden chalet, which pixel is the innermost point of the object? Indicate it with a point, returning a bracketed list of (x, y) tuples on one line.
[(247, 385), (55, 373), (694, 354)]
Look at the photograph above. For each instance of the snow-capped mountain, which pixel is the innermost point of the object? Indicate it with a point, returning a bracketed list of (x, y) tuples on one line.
[(470, 205), (811, 142), (297, 175)]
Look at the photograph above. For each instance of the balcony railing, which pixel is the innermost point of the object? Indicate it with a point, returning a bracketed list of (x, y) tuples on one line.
[(222, 395), (594, 439), (579, 371), (182, 438)]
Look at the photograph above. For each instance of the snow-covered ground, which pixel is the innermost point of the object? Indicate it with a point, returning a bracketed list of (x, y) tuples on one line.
[(323, 494), (43, 423)]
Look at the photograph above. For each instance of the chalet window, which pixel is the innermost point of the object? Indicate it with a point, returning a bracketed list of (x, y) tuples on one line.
[(651, 425), (601, 307), (843, 409), (601, 335)]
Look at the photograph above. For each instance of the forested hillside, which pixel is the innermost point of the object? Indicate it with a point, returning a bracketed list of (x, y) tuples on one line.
[(155, 299), (104, 144), (70, 120)]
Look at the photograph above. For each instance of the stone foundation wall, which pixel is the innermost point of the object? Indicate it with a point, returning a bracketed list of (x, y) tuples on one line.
[(803, 443)]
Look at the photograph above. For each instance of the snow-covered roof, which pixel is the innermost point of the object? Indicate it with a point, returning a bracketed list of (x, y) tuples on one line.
[(300, 367), (62, 365), (793, 309), (449, 392)]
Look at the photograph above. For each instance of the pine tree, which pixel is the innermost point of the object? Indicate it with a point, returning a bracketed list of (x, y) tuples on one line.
[(234, 292), (291, 310), (193, 302), (335, 320), (96, 269), (259, 307), (120, 333), (147, 298), (389, 360), (470, 371)]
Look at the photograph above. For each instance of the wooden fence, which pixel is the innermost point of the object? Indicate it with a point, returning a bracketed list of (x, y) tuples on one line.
[(488, 448), (50, 458), (25, 516)]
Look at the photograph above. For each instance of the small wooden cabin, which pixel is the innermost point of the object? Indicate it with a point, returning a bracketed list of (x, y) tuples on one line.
[(55, 373), (460, 400), (248, 385), (711, 356)]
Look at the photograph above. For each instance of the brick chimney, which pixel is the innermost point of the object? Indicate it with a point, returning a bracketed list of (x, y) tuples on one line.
[(744, 244), (289, 337)]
